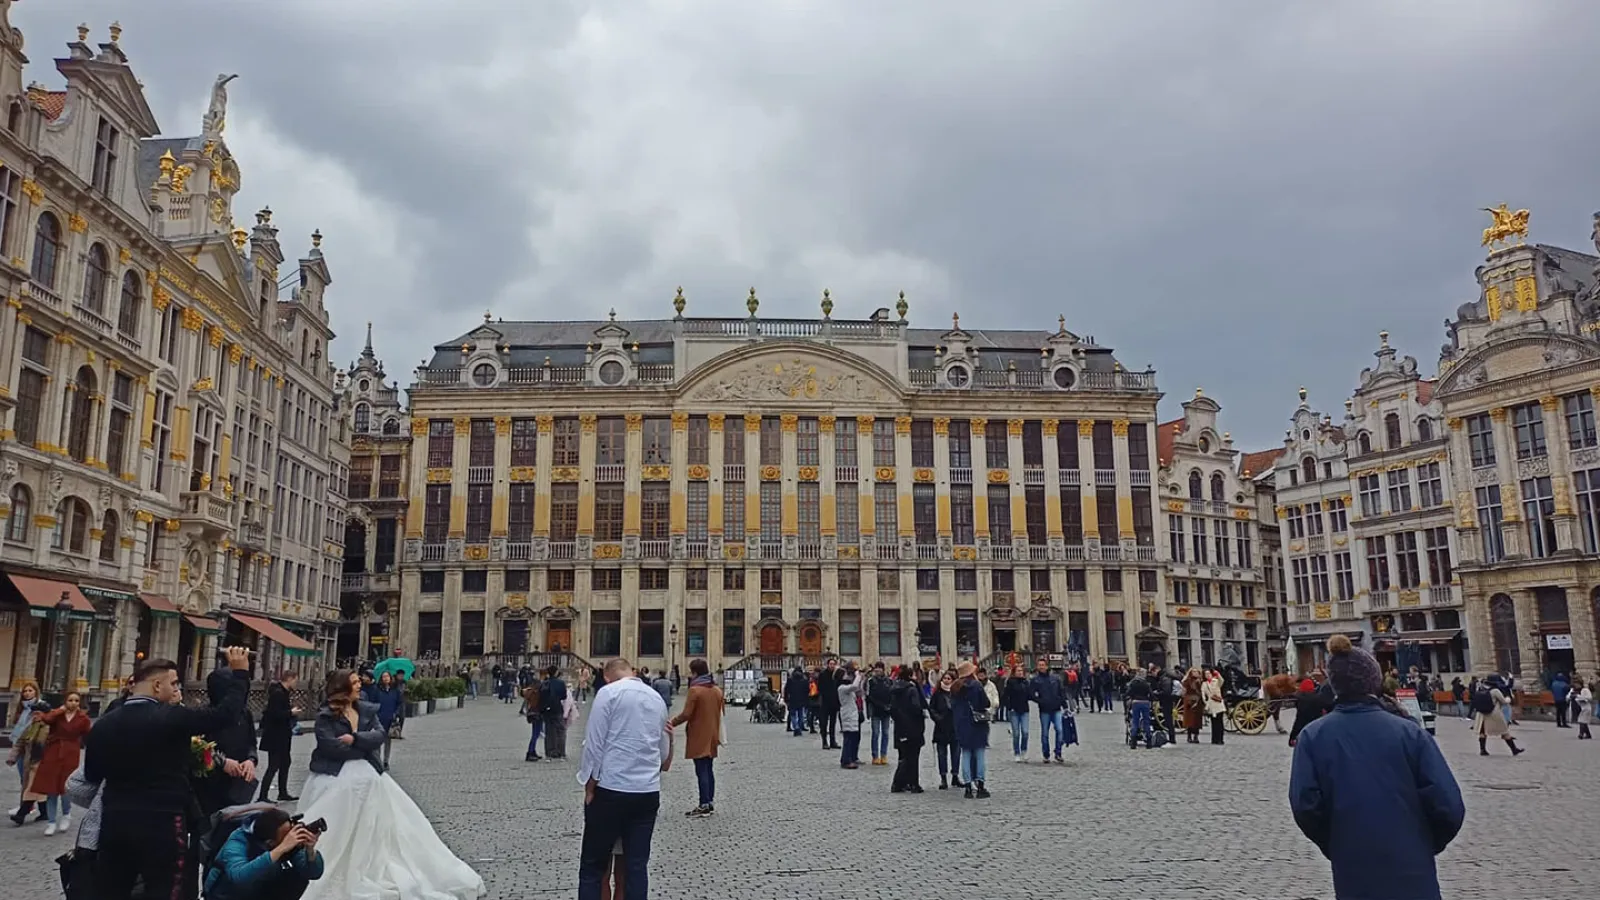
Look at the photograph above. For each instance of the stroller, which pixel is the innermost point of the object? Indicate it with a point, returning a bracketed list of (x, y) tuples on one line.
[(766, 709), (1158, 735)]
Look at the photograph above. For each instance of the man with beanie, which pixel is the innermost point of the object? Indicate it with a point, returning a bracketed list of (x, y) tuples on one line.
[(1370, 788)]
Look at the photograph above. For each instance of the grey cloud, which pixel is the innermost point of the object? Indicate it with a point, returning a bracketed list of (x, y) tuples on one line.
[(1242, 194)]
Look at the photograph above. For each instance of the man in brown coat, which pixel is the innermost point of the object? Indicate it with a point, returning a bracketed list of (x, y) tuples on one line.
[(702, 711)]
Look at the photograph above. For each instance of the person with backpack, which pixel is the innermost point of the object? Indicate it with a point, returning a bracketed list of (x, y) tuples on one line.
[(269, 855), (1072, 686), (880, 711), (1487, 703)]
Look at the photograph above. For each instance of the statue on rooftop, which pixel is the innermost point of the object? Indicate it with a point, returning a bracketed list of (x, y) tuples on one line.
[(217, 113)]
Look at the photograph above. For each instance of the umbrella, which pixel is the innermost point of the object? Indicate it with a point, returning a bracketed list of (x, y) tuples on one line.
[(396, 665)]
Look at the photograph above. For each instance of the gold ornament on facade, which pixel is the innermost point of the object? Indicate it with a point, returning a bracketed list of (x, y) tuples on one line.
[(172, 524), (752, 423), (463, 424), (439, 476), (76, 223), (922, 475), (1491, 299), (941, 425), (978, 427), (807, 473), (864, 423), (204, 384), (1119, 428), (656, 473), (475, 552), (1498, 414), (607, 551), (827, 303), (124, 255), (847, 551), (789, 422), (419, 427), (502, 424), (564, 474), (680, 421), (1014, 427), (1527, 293), (771, 473), (143, 516), (1177, 506), (679, 303), (825, 424), (545, 424), (733, 551), (1549, 403), (192, 320), (698, 472), (634, 421), (235, 353), (523, 474), (999, 476), (586, 423), (1085, 428), (751, 303), (714, 421), (965, 554), (1506, 226), (32, 189), (1454, 423), (902, 425), (214, 337), (884, 473)]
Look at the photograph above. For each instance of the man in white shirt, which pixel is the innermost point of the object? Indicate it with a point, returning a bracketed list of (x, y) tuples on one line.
[(627, 744)]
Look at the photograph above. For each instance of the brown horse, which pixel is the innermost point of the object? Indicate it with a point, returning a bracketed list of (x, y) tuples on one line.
[(1279, 690)]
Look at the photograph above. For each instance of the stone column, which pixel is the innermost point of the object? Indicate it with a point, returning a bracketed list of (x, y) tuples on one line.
[(1529, 641), (1585, 647), (866, 519), (827, 475), (500, 512), (790, 517), (1087, 478), (1124, 470), (1052, 482), (633, 450), (903, 475), (586, 461), (678, 518), (752, 482)]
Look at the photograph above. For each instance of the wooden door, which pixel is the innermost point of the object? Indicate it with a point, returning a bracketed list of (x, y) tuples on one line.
[(810, 639), (772, 640), (558, 634)]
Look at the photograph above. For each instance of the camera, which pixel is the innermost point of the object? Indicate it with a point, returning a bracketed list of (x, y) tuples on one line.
[(315, 827)]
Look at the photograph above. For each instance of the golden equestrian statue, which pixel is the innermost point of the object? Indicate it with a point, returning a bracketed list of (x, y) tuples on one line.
[(1507, 225)]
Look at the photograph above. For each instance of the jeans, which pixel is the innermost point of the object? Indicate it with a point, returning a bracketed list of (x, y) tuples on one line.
[(1139, 724), (50, 806), (533, 739), (851, 751), (135, 845), (797, 720), (1019, 732), (974, 764), (882, 727), (1047, 721), (949, 757), (555, 737), (472, 689), (706, 779), (611, 816)]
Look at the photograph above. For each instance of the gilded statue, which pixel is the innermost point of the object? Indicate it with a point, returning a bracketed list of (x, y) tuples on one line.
[(217, 113), (1507, 225)]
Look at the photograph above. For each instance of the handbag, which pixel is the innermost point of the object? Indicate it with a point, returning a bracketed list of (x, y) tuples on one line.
[(980, 716)]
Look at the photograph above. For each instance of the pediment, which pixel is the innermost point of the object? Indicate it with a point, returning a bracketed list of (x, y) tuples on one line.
[(792, 372), (1510, 357), (119, 87)]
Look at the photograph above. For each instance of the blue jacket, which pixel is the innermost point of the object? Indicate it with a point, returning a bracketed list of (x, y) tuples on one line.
[(387, 701), (244, 868), (1047, 692), (966, 700), (1559, 686), (1373, 792)]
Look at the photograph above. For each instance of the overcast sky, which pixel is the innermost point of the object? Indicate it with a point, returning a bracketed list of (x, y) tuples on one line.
[(1241, 193)]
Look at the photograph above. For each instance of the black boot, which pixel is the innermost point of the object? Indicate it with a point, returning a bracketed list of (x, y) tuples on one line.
[(1483, 746), (943, 783), (1515, 750), (983, 793), (967, 795)]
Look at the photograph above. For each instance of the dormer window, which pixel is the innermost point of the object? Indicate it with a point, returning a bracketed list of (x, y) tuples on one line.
[(612, 372), (105, 156), (1064, 377), (957, 376), (484, 374)]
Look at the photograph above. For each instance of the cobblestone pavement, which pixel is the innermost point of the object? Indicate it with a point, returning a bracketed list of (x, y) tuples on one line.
[(1194, 822)]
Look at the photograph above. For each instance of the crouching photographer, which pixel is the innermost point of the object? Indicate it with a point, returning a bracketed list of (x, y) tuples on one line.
[(271, 857)]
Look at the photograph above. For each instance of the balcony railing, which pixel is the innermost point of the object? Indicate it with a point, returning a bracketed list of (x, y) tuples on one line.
[(1074, 552), (354, 581), (1111, 552), (697, 549), (888, 550), (563, 550), (1000, 551), (44, 295), (207, 509), (1038, 551), (609, 473), (810, 550), (253, 535), (92, 319), (771, 549), (733, 473), (927, 552), (519, 551), (433, 553), (1069, 477), (480, 474), (655, 549), (1033, 477), (1144, 553), (1105, 477), (1139, 478), (962, 475)]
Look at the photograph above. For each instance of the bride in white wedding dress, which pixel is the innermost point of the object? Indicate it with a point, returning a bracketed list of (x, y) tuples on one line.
[(379, 845)]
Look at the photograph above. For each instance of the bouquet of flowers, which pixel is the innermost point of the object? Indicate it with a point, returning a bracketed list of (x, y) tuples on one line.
[(204, 757)]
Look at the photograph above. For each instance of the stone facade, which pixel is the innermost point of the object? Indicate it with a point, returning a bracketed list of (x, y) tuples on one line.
[(756, 491), (163, 412), (1518, 382)]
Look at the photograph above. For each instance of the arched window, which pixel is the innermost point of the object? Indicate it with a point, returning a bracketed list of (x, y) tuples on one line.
[(392, 426), (363, 418), (96, 280), (132, 299), (14, 117), (80, 401), (108, 537), (21, 514), (1503, 633), (1424, 429), (72, 526), (1308, 469), (46, 250), (1196, 491), (1219, 489), (1364, 442), (1391, 431)]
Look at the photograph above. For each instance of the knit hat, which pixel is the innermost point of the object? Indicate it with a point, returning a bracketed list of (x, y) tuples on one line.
[(1352, 671)]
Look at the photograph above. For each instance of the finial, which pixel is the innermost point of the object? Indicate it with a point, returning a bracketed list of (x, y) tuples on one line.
[(1012, 366), (827, 303), (116, 32), (1044, 351), (83, 33), (613, 314), (955, 321), (1061, 323), (369, 338), (547, 362), (751, 303), (465, 349), (1199, 392), (1383, 338), (167, 163), (1349, 405), (902, 306), (1302, 393), (486, 317), (239, 238), (316, 239), (1227, 435), (636, 346), (678, 301)]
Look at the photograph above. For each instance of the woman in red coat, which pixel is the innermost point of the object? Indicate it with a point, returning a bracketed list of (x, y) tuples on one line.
[(62, 751)]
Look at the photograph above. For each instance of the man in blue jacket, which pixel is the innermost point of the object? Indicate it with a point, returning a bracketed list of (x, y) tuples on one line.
[(1047, 692), (1370, 788), (269, 858)]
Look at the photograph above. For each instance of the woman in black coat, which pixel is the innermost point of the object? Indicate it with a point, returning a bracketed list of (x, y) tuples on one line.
[(944, 733), (277, 728), (907, 707)]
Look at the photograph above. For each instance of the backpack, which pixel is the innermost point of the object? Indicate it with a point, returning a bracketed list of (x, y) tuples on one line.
[(1072, 676), (878, 695), (1483, 701), (222, 826)]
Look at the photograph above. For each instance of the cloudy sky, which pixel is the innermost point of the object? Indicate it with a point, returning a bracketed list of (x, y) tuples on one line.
[(1241, 193)]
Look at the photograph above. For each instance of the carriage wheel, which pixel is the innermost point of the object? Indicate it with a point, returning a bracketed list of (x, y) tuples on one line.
[(1250, 717), (1228, 724)]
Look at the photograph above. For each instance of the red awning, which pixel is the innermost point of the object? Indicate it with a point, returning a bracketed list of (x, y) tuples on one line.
[(201, 623), (158, 604), (273, 632), (42, 593)]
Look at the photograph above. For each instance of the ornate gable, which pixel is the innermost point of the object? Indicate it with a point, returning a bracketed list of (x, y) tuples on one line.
[(792, 372), (1510, 357)]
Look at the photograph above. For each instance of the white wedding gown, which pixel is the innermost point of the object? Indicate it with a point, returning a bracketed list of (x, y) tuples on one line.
[(379, 845)]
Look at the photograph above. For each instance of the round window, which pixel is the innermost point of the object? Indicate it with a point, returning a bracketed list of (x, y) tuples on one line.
[(483, 374), (1305, 434), (365, 385), (957, 376), (1065, 377), (611, 372)]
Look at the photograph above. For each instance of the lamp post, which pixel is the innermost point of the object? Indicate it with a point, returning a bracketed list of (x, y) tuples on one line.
[(672, 647), (63, 609)]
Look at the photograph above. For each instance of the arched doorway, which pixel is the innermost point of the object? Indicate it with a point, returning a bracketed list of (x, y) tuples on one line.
[(1503, 634), (810, 639), (770, 639), (558, 631)]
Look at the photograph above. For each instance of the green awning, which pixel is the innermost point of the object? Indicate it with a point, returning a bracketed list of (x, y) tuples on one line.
[(287, 651)]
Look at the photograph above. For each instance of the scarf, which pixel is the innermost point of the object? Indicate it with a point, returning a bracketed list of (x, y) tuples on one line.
[(705, 680)]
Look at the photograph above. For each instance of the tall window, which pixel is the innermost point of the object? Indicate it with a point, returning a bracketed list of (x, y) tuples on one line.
[(1067, 443), (999, 514), (524, 442), (360, 482), (1300, 578), (1408, 571), (1580, 420), (771, 511), (610, 441), (1586, 484), (31, 385), (480, 505), (1437, 543), (771, 441), (362, 418), (72, 526), (519, 514), (82, 408), (922, 442), (10, 198), (1344, 576), (960, 444), (1219, 490), (1224, 558), (128, 311), (808, 442), (441, 443), (655, 511), (163, 437), (844, 442), (389, 475), (961, 514), (1314, 518), (1377, 549), (1539, 510), (563, 512), (21, 514), (699, 510), (105, 156), (1399, 490), (96, 279), (1489, 522), (1294, 517), (1527, 424), (1480, 440), (1196, 486), (1105, 508), (1144, 523), (996, 446), (847, 512), (1430, 485), (883, 442), (1072, 515), (733, 511), (652, 641), (699, 441), (1391, 431), (1032, 444), (120, 421), (1201, 554), (849, 632), (1241, 537), (608, 504), (1105, 456), (1319, 578), (1503, 633), (564, 442), (885, 512), (46, 250), (1138, 447), (924, 513), (809, 501), (732, 630), (733, 443), (1371, 496), (888, 632), (1175, 539), (1116, 635), (605, 632), (657, 441)]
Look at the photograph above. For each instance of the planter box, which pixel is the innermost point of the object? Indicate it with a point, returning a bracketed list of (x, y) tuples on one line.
[(416, 709), (432, 705)]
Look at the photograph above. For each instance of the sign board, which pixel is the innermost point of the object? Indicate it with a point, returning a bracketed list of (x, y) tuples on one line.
[(739, 685), (1558, 642), (1407, 699)]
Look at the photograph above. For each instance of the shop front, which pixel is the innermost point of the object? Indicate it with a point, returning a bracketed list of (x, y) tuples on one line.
[(47, 629), (1311, 644)]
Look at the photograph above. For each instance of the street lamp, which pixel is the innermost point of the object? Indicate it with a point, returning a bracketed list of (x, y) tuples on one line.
[(672, 647), (63, 609)]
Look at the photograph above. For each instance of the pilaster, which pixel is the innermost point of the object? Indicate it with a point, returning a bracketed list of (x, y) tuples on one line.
[(633, 458), (500, 512), (544, 457), (905, 516), (1016, 479), (714, 426), (679, 513), (827, 476), (586, 461), (979, 428), (790, 520), (1052, 480)]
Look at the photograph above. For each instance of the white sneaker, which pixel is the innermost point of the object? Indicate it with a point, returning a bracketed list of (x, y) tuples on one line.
[(14, 810), (50, 829), (66, 820), (1016, 757)]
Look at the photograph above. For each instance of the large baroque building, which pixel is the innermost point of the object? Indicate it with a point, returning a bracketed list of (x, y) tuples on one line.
[(757, 490), (1517, 387), (164, 412)]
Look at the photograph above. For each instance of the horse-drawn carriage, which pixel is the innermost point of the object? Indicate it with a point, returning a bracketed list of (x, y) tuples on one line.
[(1252, 701)]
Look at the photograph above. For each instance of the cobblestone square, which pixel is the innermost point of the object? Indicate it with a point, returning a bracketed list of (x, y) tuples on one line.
[(1195, 822)]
